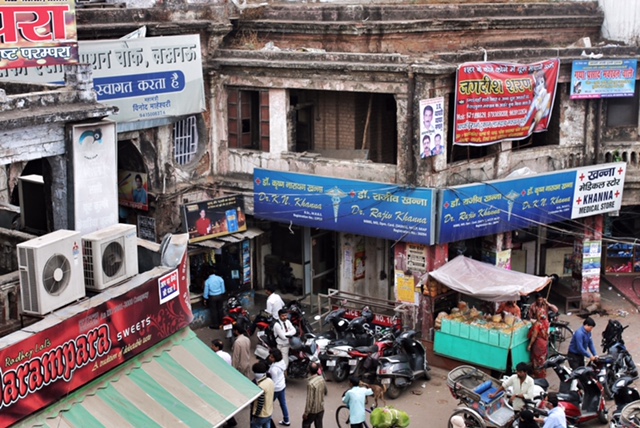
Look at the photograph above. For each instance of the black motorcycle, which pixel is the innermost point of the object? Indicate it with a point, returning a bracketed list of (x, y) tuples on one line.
[(623, 395), (297, 318), (616, 362)]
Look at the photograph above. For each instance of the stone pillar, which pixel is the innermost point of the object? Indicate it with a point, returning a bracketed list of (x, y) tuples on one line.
[(437, 255), (405, 142), (80, 77), (59, 206), (590, 283), (278, 110)]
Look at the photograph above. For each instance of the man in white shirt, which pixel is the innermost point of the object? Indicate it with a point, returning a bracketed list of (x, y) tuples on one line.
[(277, 371), (283, 330), (217, 346), (274, 301), (521, 385), (556, 417)]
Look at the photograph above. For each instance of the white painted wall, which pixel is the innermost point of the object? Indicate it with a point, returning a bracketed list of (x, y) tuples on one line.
[(621, 20)]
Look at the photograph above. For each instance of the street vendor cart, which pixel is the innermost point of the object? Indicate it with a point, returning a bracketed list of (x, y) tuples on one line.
[(469, 335)]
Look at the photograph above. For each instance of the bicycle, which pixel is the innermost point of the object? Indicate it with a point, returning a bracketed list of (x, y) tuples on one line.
[(560, 335), (342, 417)]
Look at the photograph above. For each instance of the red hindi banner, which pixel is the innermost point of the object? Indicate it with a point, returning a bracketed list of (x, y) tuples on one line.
[(37, 32), (48, 365), (503, 101)]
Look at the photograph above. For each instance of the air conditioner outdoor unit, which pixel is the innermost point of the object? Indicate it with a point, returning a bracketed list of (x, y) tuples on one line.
[(50, 272), (110, 256)]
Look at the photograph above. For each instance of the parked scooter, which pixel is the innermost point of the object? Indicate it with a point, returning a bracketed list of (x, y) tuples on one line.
[(234, 313), (584, 400), (617, 361), (409, 361), (623, 395), (336, 357)]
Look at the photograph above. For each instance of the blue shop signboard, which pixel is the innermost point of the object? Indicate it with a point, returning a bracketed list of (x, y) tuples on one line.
[(500, 206), (372, 209)]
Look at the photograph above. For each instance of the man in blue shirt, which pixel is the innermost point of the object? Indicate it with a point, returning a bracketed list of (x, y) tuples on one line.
[(556, 418), (581, 344), (356, 400), (213, 297)]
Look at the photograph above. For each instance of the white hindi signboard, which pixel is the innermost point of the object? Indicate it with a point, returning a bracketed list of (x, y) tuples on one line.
[(598, 189)]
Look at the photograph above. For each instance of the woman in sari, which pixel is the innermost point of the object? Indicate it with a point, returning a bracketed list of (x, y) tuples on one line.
[(538, 346)]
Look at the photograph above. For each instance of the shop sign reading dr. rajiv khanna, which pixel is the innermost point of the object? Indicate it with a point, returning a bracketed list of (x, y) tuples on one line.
[(372, 209), (503, 205), (503, 101)]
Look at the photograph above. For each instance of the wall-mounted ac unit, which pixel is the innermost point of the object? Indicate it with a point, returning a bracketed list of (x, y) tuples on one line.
[(110, 256), (50, 272)]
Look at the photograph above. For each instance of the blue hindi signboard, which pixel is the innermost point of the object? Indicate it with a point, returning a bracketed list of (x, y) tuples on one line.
[(495, 207), (372, 209)]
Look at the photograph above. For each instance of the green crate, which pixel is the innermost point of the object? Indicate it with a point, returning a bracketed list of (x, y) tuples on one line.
[(464, 330), (474, 332), (505, 339), (446, 325), (494, 338), (483, 335), (455, 328)]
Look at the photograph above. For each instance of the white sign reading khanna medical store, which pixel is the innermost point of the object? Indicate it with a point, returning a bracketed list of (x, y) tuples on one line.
[(598, 189), (146, 78)]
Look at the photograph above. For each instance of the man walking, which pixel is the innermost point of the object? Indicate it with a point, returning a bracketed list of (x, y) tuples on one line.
[(241, 359), (262, 408), (277, 372), (283, 330), (214, 290), (274, 301), (356, 400), (314, 408), (581, 344)]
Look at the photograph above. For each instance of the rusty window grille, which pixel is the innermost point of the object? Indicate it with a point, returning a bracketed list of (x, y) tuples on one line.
[(185, 138)]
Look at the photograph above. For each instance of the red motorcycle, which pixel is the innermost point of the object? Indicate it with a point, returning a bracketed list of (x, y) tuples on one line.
[(234, 314)]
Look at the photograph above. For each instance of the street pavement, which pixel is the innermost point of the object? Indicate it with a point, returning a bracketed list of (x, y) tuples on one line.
[(429, 403)]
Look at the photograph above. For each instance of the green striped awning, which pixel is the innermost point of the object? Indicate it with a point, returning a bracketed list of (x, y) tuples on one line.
[(178, 382)]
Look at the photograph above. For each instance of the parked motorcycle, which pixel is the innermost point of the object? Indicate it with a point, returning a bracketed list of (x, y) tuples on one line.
[(336, 356), (623, 395), (581, 393), (302, 353), (262, 326), (617, 361), (408, 361), (234, 314), (297, 318)]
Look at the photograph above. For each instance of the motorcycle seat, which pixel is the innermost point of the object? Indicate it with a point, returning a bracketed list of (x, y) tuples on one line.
[(367, 349), (571, 396)]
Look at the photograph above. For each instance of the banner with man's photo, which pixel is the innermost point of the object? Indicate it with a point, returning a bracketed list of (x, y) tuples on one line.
[(432, 138), (218, 217), (503, 101), (132, 190)]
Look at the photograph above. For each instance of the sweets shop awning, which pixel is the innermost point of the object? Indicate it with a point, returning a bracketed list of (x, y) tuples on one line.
[(178, 382), (487, 282)]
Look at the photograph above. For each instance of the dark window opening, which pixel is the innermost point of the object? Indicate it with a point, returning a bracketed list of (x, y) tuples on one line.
[(248, 119), (623, 111)]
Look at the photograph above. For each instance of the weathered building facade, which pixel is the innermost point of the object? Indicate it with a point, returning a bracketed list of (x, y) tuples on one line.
[(333, 90)]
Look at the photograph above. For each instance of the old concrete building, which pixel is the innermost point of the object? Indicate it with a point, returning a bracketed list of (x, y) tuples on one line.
[(333, 90)]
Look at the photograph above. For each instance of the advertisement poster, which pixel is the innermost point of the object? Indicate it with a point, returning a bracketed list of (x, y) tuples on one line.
[(432, 136), (218, 217), (405, 288), (603, 78), (93, 176), (493, 207), (380, 210), (132, 189), (146, 78), (503, 259), (503, 101), (57, 360), (37, 33), (359, 265)]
